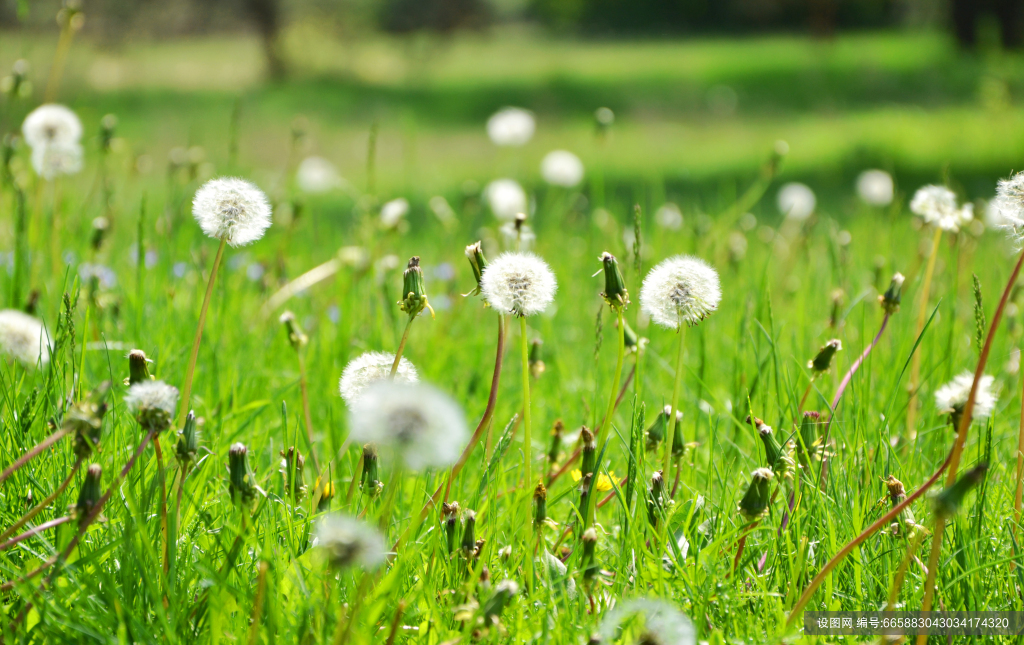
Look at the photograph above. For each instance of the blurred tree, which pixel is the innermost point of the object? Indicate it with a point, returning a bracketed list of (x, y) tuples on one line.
[(266, 15), (442, 16), (1009, 14)]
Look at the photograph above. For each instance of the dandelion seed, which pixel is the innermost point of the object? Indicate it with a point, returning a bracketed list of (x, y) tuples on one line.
[(663, 624), (367, 369), (796, 201), (153, 404), (24, 338), (392, 212), (51, 125), (519, 283), (937, 206), (232, 209), (952, 397), (511, 127), (421, 424), (561, 168), (680, 289), (1009, 204), (350, 542), (875, 187), (317, 175), (506, 198)]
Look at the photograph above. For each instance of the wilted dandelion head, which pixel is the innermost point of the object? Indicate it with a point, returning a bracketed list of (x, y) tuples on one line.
[(232, 209), (367, 369), (680, 289), (24, 338), (1009, 204), (796, 201), (511, 126), (937, 206), (519, 283), (952, 397), (350, 542), (54, 160), (153, 404), (392, 212), (317, 175), (506, 198), (422, 425), (875, 187), (660, 623), (561, 168), (51, 125)]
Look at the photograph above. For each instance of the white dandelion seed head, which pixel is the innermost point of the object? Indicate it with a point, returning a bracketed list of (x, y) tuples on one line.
[(506, 198), (994, 217), (875, 187), (937, 206), (519, 283), (422, 425), (367, 369), (521, 238), (669, 216), (232, 209), (350, 542), (561, 168), (54, 160), (952, 397), (663, 623), (317, 175), (681, 289), (392, 212), (1009, 204), (511, 126), (796, 201), (24, 338), (51, 125), (153, 403)]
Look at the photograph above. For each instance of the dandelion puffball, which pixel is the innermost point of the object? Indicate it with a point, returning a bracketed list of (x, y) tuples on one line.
[(561, 168), (952, 397), (1009, 204), (663, 623), (317, 175), (51, 125), (392, 212), (796, 201), (232, 209), (367, 369), (937, 206), (422, 425), (23, 337), (680, 289), (511, 127), (506, 198), (350, 542), (669, 216), (518, 283), (153, 404), (875, 187)]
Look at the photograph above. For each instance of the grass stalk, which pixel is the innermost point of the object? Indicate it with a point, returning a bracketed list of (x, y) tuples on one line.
[(28, 456), (922, 314), (35, 510), (670, 435)]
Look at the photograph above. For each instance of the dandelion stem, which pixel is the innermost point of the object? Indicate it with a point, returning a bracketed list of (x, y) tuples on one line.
[(401, 347), (1020, 471), (43, 504), (35, 530), (40, 447), (613, 395), (670, 437), (901, 572), (915, 365), (163, 501), (257, 607), (527, 445), (186, 390), (304, 391)]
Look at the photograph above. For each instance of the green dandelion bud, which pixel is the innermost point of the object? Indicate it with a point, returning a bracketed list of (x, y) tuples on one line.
[(450, 517), (823, 360), (241, 478), (537, 366), (370, 482), (138, 367), (947, 503), (634, 343), (415, 293), (469, 533), (590, 566), (90, 493), (296, 338), (890, 300), (755, 501), (589, 460), (504, 592), (475, 255), (897, 493), (659, 428), (615, 293), (100, 228), (808, 436), (678, 447), (294, 465), (656, 501), (107, 126), (188, 441), (540, 505), (556, 441)]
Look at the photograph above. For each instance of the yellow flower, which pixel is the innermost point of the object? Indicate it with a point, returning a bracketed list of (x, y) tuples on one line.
[(604, 482)]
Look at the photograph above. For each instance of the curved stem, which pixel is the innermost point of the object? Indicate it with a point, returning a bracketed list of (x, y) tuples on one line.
[(527, 456), (922, 315), (163, 502), (39, 447), (43, 504), (671, 435), (1020, 471), (186, 389), (401, 347), (35, 530)]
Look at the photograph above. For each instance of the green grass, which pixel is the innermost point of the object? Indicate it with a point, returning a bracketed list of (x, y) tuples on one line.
[(774, 316)]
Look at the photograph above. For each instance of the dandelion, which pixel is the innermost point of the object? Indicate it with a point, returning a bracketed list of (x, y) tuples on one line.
[(755, 501), (52, 161), (51, 125), (317, 175), (367, 369), (680, 289), (152, 403), (1009, 204), (24, 338), (232, 210), (517, 235), (518, 283), (511, 126), (392, 212), (561, 168), (421, 424), (952, 397), (875, 187), (669, 217), (604, 481), (937, 206), (796, 201), (662, 623), (506, 198), (350, 542)]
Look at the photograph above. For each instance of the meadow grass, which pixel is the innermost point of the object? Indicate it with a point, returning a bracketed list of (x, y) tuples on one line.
[(249, 572)]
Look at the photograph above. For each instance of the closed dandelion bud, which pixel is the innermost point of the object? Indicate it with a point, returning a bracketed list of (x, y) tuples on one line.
[(241, 480), (556, 441), (469, 533), (755, 501), (370, 482), (475, 255), (809, 435), (537, 366), (414, 293), (657, 430), (590, 566), (655, 503), (90, 493), (504, 592), (589, 460), (678, 447), (294, 465), (540, 505), (634, 343), (107, 125), (615, 293), (188, 440), (838, 298), (891, 298), (138, 367), (897, 493), (296, 338), (823, 360), (326, 495), (948, 502), (100, 227), (450, 517), (85, 420)]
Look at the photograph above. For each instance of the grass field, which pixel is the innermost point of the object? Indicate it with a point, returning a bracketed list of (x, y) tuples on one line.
[(248, 572)]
